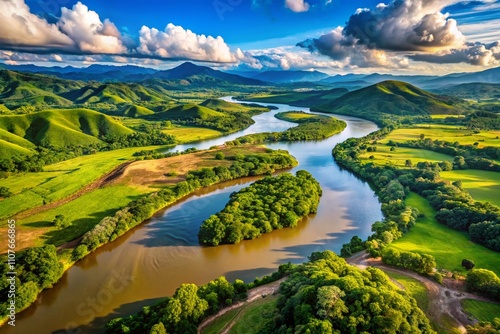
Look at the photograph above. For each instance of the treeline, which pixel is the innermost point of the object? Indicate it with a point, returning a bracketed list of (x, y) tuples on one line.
[(483, 120), (319, 127), (326, 295), (422, 264), (483, 282), (36, 269), (50, 155), (152, 154), (455, 207), (110, 228), (266, 205), (473, 156), (186, 309), (230, 122)]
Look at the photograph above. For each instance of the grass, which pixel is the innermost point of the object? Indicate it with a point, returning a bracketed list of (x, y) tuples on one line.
[(384, 156), (84, 213), (448, 246), (217, 326), (297, 117), (186, 134), (414, 288), (446, 116), (483, 186), (225, 106), (61, 128), (482, 311), (247, 319), (61, 179), (448, 133)]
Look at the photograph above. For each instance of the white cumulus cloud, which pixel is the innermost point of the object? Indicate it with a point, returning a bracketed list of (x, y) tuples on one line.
[(87, 31), (297, 6), (177, 42), (20, 28)]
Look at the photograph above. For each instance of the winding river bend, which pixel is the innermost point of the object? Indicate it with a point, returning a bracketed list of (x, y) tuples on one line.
[(152, 260)]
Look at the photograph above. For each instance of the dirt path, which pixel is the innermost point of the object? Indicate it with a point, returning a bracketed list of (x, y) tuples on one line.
[(253, 294), (443, 301), (101, 182)]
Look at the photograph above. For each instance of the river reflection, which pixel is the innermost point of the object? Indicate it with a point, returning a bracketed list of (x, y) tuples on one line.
[(153, 259)]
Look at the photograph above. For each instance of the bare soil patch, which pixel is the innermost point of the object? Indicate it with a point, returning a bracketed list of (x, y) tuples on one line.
[(445, 300)]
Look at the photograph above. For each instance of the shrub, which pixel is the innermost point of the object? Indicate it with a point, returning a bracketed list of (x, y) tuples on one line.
[(468, 264)]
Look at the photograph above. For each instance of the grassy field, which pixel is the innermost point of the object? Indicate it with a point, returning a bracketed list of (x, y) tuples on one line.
[(483, 186), (414, 288), (448, 246), (186, 134), (246, 319), (384, 156), (217, 326), (85, 211), (482, 311), (297, 116), (443, 116), (60, 180), (449, 133)]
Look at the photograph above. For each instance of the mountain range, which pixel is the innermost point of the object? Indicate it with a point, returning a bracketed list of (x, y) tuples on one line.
[(189, 74)]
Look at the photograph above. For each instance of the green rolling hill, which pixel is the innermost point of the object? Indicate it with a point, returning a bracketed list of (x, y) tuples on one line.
[(478, 90), (224, 106), (136, 111), (392, 98), (34, 89), (59, 128), (300, 99), (190, 112), (114, 93)]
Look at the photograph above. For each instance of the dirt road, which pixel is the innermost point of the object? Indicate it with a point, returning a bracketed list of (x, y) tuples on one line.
[(444, 301), (253, 294)]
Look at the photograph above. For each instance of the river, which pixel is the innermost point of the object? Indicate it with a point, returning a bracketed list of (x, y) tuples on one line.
[(153, 259)]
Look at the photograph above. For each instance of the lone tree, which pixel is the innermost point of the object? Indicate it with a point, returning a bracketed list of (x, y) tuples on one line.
[(468, 264), (220, 156), (61, 222)]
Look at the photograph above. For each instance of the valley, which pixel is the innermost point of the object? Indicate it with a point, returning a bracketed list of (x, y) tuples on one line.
[(106, 157)]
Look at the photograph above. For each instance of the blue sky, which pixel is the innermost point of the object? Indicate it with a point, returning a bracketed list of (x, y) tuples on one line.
[(246, 21), (335, 36)]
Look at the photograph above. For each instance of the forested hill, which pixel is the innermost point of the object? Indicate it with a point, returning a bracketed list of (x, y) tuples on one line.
[(393, 98), (324, 295)]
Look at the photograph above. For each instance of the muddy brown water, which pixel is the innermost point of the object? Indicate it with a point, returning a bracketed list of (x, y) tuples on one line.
[(152, 260)]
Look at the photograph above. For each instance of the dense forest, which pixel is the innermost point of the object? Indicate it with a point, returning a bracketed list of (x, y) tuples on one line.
[(313, 128), (324, 295), (268, 204), (39, 267), (109, 228)]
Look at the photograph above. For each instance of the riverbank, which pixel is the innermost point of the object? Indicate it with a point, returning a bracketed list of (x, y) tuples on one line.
[(232, 165), (167, 245), (445, 300)]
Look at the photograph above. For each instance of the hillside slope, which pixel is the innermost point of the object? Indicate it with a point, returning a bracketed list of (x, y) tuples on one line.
[(392, 98), (59, 128), (224, 106), (34, 89), (475, 90)]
